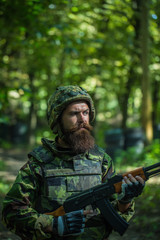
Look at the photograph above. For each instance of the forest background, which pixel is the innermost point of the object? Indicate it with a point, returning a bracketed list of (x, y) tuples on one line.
[(109, 47)]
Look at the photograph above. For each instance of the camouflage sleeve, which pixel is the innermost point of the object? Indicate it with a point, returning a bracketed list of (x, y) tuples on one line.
[(18, 212), (108, 172), (107, 167)]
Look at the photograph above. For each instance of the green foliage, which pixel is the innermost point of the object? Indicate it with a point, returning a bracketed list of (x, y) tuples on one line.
[(94, 44), (149, 155), (4, 187), (5, 144), (147, 212), (2, 165)]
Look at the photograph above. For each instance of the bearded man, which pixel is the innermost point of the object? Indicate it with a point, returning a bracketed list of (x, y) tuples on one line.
[(57, 169)]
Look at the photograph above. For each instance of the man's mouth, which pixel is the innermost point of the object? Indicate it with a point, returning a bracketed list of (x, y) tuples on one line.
[(81, 127)]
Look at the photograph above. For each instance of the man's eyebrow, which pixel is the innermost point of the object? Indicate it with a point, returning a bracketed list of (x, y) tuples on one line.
[(77, 111), (74, 111), (86, 110)]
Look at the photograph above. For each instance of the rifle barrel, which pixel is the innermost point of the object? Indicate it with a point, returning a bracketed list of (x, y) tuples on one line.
[(152, 166), (152, 170), (153, 173)]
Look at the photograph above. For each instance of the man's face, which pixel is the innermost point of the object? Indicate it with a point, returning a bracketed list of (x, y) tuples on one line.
[(75, 115), (76, 128)]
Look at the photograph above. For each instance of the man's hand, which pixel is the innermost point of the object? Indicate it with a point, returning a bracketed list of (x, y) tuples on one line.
[(131, 187), (130, 180), (70, 224)]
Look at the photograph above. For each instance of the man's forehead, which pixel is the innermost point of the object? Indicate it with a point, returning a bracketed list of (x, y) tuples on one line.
[(77, 105)]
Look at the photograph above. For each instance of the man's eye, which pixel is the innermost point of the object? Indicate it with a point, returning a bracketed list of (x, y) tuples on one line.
[(86, 113)]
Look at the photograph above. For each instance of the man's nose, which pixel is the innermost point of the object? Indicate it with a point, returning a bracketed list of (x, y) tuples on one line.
[(81, 118)]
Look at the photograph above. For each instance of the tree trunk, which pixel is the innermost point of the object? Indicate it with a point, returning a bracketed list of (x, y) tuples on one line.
[(146, 84), (132, 73), (156, 98), (32, 121)]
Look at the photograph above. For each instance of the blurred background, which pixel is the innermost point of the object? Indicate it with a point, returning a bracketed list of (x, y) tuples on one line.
[(109, 47)]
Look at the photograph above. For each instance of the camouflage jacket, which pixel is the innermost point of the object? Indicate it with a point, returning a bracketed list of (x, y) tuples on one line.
[(45, 181)]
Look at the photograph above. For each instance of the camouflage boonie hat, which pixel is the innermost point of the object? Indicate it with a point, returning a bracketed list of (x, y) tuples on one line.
[(61, 98)]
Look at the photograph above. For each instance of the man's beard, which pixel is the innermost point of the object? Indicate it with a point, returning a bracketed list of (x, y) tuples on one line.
[(80, 140)]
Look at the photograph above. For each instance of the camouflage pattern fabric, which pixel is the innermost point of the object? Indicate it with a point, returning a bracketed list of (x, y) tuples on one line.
[(61, 98), (45, 181)]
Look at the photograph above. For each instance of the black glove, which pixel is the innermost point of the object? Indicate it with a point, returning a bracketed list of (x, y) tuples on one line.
[(129, 191), (72, 223)]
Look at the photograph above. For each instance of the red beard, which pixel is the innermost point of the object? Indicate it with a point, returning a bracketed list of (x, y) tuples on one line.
[(79, 138)]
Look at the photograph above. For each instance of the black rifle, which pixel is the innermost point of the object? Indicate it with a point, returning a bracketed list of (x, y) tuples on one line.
[(99, 196)]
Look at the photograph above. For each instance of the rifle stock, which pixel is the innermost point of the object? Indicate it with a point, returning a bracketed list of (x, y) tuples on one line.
[(58, 212)]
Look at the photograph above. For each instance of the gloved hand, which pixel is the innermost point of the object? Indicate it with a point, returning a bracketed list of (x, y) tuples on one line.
[(72, 223), (131, 187)]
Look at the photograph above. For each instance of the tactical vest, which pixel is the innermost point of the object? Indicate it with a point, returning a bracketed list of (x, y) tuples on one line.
[(65, 174)]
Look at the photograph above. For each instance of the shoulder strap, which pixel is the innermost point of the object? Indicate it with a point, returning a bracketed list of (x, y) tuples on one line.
[(41, 154), (96, 151)]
